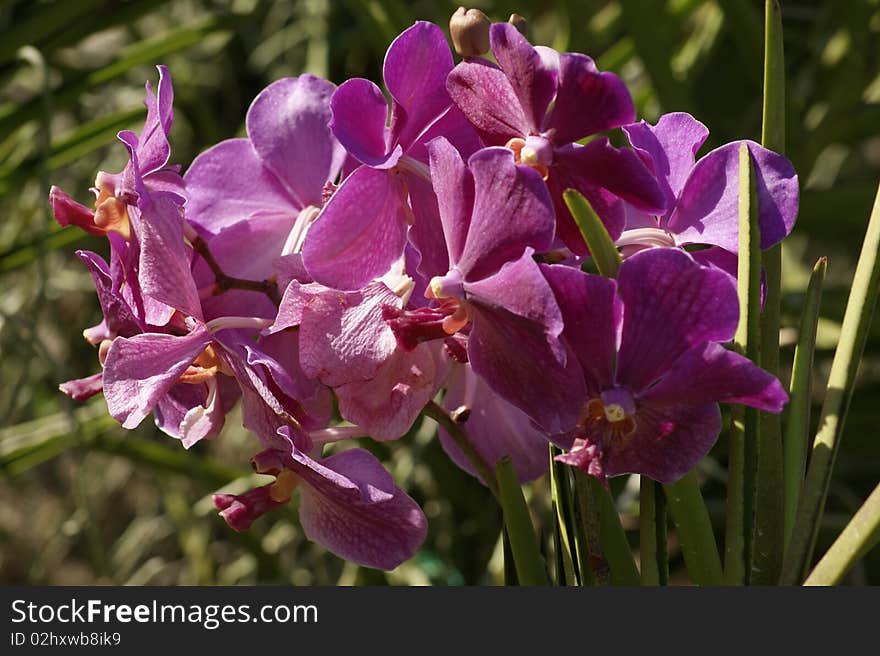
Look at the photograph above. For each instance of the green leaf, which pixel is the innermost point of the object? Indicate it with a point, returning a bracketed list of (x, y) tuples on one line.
[(801, 392), (744, 431), (841, 381), (769, 497), (694, 528), (523, 541), (859, 537), (595, 235)]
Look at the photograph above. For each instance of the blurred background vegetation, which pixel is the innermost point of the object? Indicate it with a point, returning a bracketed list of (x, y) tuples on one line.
[(83, 501)]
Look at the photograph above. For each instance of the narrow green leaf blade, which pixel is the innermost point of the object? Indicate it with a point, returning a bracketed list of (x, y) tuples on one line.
[(797, 429), (859, 537), (594, 233), (841, 381), (523, 541), (694, 527)]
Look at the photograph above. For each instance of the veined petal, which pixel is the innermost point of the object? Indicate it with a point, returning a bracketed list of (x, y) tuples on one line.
[(587, 101), (288, 126), (454, 188), (351, 506), (387, 405), (671, 303), (533, 81), (359, 113), (485, 96), (670, 147), (495, 427), (153, 147), (617, 170), (667, 442), (343, 337), (119, 318), (415, 70), (140, 370), (426, 232), (592, 314), (709, 372), (360, 232), (228, 183), (512, 211), (707, 209), (81, 389)]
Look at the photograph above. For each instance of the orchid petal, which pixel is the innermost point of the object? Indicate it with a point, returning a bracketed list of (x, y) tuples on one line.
[(485, 96), (288, 127), (671, 303), (360, 232), (359, 113)]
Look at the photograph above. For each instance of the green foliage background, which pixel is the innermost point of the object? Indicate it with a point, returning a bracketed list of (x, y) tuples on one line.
[(83, 501)]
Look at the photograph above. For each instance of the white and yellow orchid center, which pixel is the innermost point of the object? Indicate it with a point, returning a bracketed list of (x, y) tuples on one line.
[(111, 213)]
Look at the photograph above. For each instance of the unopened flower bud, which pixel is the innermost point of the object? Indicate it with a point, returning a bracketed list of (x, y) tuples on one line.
[(519, 23), (470, 32)]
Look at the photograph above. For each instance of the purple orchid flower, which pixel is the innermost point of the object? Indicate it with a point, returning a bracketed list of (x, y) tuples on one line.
[(346, 344), (653, 367), (349, 504), (253, 199), (510, 105), (495, 427), (495, 215), (117, 211), (702, 196), (362, 230)]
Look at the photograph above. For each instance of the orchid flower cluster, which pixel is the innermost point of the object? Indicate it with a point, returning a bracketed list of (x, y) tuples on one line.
[(356, 259)]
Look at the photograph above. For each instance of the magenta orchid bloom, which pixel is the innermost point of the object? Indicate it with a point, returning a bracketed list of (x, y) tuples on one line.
[(253, 199), (495, 215), (363, 228), (510, 105), (348, 504), (702, 196), (654, 370)]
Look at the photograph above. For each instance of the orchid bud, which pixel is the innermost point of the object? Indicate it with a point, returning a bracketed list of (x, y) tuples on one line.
[(470, 32), (519, 23)]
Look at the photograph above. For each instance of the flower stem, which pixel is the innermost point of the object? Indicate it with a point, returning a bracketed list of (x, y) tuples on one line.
[(461, 439), (841, 381), (694, 530), (745, 432), (225, 282), (797, 429), (519, 528), (859, 537), (612, 537), (567, 565), (652, 533), (768, 532)]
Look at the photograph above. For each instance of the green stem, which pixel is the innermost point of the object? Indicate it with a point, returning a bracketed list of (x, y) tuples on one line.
[(745, 430), (768, 533), (694, 530), (615, 545), (566, 551), (463, 442), (587, 512), (859, 537), (798, 426), (648, 556), (841, 381), (518, 524)]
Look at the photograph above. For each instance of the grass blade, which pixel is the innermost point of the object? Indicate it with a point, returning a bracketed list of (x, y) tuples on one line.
[(594, 233), (841, 381), (859, 537), (798, 426), (769, 535), (694, 527), (744, 432), (518, 524)]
